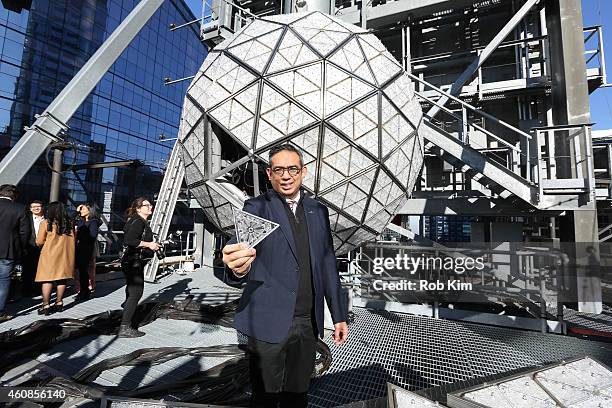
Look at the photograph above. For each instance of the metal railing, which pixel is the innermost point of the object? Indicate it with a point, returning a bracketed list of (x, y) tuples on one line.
[(513, 154), (567, 159), (531, 156), (514, 274), (595, 52), (110, 249), (531, 62)]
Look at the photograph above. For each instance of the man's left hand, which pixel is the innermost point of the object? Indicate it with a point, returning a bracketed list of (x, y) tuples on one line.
[(340, 333)]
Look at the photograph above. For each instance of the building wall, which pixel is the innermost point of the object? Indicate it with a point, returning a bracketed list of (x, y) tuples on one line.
[(41, 48)]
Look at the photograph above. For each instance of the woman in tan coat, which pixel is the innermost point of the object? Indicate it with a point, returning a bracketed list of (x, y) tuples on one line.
[(57, 238)]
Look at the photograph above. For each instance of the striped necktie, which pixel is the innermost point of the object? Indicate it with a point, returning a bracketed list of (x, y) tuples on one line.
[(292, 204)]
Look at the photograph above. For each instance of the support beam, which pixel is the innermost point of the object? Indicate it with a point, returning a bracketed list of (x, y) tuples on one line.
[(105, 165), (484, 55), (570, 106), (51, 122)]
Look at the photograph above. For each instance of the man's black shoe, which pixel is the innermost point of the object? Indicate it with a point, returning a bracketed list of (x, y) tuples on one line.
[(127, 331), (82, 297)]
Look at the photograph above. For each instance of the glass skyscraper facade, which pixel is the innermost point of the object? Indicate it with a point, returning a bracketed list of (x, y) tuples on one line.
[(441, 228), (43, 44)]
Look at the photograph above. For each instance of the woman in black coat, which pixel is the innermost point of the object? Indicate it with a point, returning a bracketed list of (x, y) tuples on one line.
[(87, 226), (139, 246)]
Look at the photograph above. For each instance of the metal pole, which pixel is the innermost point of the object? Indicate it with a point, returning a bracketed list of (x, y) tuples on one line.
[(256, 190), (528, 174), (364, 13), (602, 56), (464, 126), (56, 176)]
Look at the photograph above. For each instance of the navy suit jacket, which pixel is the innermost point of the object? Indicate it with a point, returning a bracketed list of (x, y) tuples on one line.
[(268, 300)]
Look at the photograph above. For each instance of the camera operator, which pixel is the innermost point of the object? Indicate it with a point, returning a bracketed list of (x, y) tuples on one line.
[(138, 249)]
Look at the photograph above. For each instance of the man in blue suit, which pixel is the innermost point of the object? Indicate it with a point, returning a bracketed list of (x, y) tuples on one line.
[(287, 277)]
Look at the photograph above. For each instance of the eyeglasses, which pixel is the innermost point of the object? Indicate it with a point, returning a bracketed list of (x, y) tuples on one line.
[(147, 205), (292, 170)]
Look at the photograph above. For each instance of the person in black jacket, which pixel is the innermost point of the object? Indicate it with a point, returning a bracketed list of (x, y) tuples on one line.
[(35, 216), (87, 226), (14, 235), (288, 278), (138, 244)]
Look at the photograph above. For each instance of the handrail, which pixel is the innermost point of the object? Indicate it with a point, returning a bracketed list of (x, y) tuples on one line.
[(447, 110), (505, 44), (470, 107), (475, 50), (562, 127), (591, 28)]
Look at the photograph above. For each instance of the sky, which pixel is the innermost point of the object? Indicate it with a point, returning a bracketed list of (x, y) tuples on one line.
[(599, 12), (594, 12), (195, 6)]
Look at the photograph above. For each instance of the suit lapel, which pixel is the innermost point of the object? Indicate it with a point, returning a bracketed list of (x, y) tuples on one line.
[(280, 215)]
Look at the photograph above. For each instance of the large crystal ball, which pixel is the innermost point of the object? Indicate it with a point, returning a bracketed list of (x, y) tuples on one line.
[(327, 87)]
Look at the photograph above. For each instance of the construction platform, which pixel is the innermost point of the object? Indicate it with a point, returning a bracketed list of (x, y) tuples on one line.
[(432, 356)]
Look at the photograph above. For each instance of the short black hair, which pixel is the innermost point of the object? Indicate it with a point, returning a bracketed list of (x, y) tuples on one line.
[(37, 202), (10, 191), (287, 147)]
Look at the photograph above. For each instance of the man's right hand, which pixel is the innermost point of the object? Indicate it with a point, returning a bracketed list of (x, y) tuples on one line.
[(238, 257)]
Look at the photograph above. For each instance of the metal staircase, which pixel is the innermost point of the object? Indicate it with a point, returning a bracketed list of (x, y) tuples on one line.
[(521, 166), (165, 204)]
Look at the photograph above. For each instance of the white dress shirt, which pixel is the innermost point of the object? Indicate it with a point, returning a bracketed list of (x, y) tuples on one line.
[(293, 202), (37, 219)]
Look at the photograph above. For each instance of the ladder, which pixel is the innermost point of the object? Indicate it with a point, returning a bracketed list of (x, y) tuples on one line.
[(165, 204)]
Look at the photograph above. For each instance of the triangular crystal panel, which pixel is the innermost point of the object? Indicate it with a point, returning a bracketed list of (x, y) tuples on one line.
[(251, 229), (257, 52), (255, 28), (360, 123), (395, 129), (237, 115), (382, 63), (304, 84), (285, 116), (350, 57), (291, 53), (401, 92), (341, 89), (321, 32)]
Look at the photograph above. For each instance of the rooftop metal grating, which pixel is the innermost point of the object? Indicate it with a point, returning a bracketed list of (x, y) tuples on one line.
[(417, 353)]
